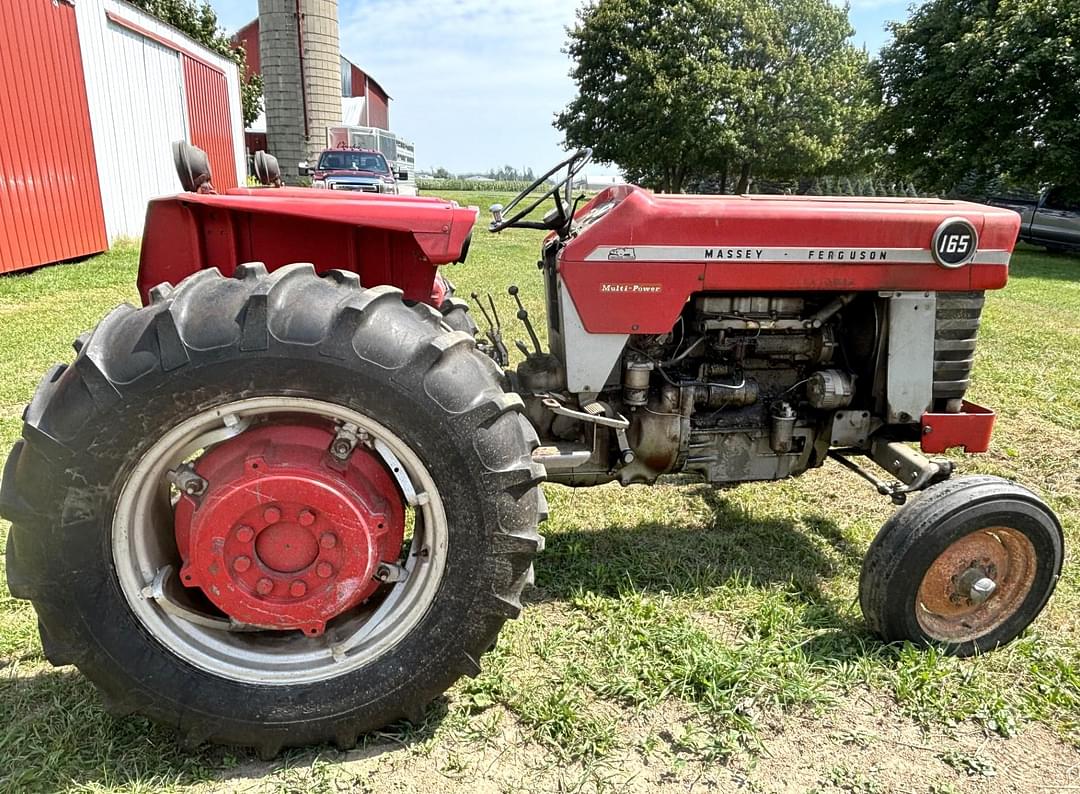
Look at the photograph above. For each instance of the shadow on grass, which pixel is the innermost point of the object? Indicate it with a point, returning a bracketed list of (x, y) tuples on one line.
[(55, 734), (733, 545)]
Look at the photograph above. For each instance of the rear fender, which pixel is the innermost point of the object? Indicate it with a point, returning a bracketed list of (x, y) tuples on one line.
[(392, 240)]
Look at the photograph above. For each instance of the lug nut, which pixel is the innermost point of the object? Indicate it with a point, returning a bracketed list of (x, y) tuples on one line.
[(264, 586), (982, 590), (307, 518), (328, 540), (241, 564), (325, 570), (297, 589), (272, 515), (185, 478), (245, 534)]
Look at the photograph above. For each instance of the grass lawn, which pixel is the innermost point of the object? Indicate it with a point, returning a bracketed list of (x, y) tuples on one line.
[(678, 638)]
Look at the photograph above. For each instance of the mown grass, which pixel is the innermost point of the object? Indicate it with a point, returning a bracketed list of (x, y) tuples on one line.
[(673, 629)]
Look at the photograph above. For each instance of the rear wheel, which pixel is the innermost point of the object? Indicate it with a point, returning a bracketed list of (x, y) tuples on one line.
[(274, 509), (968, 565)]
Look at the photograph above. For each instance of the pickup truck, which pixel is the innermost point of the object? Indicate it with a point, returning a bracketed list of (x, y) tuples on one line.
[(1052, 220), (360, 170)]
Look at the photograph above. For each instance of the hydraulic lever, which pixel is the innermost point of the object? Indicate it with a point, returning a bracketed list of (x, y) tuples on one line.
[(524, 317), (494, 331)]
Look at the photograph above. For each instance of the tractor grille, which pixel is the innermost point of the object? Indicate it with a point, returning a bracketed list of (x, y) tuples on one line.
[(954, 346)]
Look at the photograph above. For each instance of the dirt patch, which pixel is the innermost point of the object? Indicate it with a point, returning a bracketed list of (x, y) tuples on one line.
[(866, 745)]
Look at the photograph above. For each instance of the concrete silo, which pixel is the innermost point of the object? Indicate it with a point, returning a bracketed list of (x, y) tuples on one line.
[(300, 51)]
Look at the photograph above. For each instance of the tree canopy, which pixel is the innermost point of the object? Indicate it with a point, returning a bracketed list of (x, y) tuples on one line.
[(979, 91), (510, 174), (199, 21), (670, 90)]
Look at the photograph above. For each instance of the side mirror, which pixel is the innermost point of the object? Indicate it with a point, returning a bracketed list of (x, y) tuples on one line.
[(305, 168), (403, 176)]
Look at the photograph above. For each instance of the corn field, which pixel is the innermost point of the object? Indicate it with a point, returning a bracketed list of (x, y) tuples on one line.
[(496, 186)]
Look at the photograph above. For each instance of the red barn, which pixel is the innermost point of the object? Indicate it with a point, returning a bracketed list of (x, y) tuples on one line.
[(94, 94)]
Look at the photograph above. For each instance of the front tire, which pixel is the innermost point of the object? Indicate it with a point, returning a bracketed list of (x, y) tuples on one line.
[(286, 343), (966, 566)]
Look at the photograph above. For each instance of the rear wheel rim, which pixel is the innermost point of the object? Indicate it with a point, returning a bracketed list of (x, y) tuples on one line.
[(142, 544), (947, 607)]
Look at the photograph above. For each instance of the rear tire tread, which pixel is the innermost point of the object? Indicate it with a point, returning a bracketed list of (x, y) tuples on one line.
[(246, 310)]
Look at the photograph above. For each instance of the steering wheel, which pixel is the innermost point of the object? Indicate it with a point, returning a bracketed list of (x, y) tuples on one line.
[(510, 217)]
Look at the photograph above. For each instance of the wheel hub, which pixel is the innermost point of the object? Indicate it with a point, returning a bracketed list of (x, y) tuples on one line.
[(286, 536), (976, 584)]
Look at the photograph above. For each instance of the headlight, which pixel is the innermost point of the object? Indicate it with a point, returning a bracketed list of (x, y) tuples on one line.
[(318, 183)]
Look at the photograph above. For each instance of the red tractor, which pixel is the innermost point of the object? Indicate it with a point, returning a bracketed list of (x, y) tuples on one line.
[(282, 503)]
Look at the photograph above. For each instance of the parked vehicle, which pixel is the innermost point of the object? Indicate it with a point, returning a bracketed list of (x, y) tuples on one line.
[(362, 170), (1052, 220), (282, 504)]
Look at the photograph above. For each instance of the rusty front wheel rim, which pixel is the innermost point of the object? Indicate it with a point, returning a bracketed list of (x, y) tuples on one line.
[(944, 605)]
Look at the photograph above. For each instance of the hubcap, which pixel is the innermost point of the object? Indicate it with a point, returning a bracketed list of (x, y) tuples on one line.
[(976, 584), (285, 536), (246, 541)]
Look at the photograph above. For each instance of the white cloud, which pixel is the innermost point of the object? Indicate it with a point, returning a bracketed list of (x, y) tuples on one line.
[(475, 84)]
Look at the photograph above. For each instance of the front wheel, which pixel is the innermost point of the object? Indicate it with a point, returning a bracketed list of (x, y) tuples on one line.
[(274, 509), (967, 566)]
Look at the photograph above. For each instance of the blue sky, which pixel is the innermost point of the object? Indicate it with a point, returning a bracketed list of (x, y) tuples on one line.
[(476, 83)]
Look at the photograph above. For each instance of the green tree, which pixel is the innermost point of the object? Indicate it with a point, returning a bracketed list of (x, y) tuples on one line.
[(505, 174), (672, 90), (979, 90), (199, 21)]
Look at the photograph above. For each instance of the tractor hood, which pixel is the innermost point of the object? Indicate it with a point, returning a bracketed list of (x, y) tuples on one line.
[(636, 257)]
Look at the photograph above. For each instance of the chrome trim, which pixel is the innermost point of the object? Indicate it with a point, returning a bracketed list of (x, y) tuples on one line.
[(802, 254)]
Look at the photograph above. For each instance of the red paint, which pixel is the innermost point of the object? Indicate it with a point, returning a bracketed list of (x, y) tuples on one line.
[(641, 218), (50, 199), (247, 38), (357, 80), (377, 101), (378, 110), (286, 536), (210, 119), (440, 291), (255, 141), (395, 240), (970, 429)]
